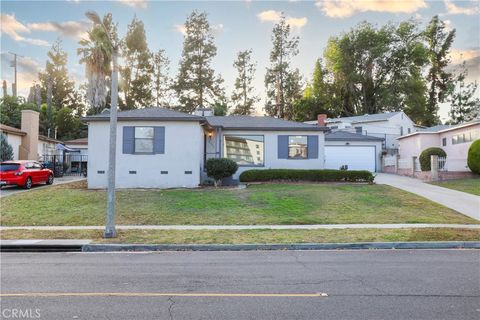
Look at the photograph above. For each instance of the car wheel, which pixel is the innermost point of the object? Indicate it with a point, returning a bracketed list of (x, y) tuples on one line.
[(28, 183), (50, 179)]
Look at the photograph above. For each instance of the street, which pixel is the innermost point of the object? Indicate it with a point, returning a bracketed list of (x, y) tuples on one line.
[(390, 284)]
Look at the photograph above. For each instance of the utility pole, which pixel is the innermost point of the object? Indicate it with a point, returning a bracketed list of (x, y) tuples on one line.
[(14, 66)]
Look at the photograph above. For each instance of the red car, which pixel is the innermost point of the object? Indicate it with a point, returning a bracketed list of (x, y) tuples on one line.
[(24, 173)]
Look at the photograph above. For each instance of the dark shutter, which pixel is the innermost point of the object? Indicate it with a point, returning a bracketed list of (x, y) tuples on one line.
[(159, 140), (282, 147), (128, 140), (312, 142)]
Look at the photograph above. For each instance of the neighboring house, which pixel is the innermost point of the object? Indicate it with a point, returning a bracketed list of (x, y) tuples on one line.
[(356, 151), (79, 158), (388, 126), (26, 142), (454, 140), (162, 148)]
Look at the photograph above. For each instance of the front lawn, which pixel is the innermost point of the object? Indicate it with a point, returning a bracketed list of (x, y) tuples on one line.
[(73, 204), (471, 185), (254, 236)]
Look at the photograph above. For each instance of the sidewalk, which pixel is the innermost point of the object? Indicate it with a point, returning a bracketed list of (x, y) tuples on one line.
[(251, 227), (465, 203)]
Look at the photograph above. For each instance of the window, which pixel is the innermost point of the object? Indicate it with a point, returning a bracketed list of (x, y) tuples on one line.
[(297, 147), (409, 130), (401, 131), (358, 130), (465, 137), (245, 150), (144, 140), (444, 142)]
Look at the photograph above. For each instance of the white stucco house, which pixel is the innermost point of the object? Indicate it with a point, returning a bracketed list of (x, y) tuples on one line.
[(162, 148), (455, 140), (388, 126)]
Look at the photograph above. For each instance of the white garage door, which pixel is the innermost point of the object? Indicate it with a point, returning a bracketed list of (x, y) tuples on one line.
[(355, 157)]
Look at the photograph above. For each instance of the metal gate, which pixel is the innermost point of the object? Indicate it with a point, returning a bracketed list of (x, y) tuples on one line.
[(68, 164)]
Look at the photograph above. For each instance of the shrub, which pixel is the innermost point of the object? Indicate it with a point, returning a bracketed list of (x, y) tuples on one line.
[(307, 175), (6, 150), (217, 169), (473, 159), (425, 157)]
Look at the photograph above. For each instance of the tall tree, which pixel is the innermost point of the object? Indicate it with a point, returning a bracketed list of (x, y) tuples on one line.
[(96, 54), (56, 77), (243, 96), (439, 41), (196, 84), (138, 69), (161, 79), (464, 105), (283, 83)]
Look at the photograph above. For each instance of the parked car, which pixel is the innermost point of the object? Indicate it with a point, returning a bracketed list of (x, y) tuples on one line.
[(24, 173)]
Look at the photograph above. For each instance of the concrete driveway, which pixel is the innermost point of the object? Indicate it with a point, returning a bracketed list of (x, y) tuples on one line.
[(465, 203), (10, 190)]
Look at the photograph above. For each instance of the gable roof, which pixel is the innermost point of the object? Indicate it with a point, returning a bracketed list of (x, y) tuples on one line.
[(366, 118), (435, 128), (77, 141), (260, 123), (12, 130), (146, 114), (345, 135), (442, 128)]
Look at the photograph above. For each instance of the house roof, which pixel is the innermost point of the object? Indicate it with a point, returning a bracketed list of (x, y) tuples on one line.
[(441, 128), (350, 136), (52, 140), (146, 114), (77, 141), (260, 123), (366, 118), (11, 130)]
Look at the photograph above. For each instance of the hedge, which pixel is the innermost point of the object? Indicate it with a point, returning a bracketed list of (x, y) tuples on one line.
[(424, 158), (307, 175), (473, 158)]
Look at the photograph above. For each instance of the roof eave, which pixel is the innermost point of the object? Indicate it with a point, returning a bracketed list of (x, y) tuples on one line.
[(99, 119)]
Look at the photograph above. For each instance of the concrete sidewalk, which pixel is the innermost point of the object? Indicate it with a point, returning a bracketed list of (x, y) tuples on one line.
[(250, 227), (465, 203)]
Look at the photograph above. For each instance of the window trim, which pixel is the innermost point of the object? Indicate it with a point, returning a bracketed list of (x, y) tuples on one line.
[(224, 146), (288, 146), (135, 140)]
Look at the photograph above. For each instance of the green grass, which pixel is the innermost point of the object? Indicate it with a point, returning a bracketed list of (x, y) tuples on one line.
[(255, 236), (73, 204), (470, 185)]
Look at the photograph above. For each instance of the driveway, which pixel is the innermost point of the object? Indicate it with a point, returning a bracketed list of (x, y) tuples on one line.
[(9, 190), (465, 203)]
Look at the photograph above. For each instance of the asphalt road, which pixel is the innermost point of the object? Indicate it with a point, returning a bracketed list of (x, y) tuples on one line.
[(391, 284)]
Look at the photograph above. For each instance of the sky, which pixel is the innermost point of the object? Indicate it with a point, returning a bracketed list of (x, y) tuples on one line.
[(29, 28)]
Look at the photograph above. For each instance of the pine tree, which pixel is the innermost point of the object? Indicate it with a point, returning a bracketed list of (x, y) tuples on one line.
[(138, 70), (6, 150), (439, 41), (243, 97), (196, 84), (282, 83), (464, 105), (161, 79)]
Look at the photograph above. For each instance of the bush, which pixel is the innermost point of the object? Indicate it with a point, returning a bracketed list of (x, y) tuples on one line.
[(307, 175), (425, 157), (473, 159), (6, 150), (217, 169)]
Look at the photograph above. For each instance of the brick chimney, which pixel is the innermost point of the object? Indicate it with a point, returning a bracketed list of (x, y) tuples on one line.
[(30, 125), (321, 119)]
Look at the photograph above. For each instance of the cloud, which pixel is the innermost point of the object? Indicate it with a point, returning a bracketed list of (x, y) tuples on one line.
[(454, 9), (139, 4), (459, 55), (347, 8), (275, 16), (217, 28), (14, 28), (72, 29)]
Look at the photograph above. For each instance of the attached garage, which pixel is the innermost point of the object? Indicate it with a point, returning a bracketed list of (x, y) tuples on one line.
[(355, 151)]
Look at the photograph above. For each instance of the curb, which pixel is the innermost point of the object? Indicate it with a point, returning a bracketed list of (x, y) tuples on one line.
[(270, 247)]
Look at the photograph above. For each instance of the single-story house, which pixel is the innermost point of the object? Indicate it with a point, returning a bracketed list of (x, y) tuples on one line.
[(353, 150), (455, 140), (14, 138), (162, 148), (388, 126)]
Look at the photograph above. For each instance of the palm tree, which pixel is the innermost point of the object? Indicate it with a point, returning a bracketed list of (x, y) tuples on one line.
[(96, 54)]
